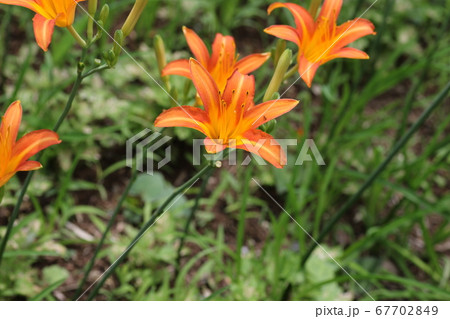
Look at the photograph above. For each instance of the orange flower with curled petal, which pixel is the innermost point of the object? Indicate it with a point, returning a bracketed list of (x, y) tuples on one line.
[(320, 40), (48, 14), (14, 154), (230, 118), (220, 64)]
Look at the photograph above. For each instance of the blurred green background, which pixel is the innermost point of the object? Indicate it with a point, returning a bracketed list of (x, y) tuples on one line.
[(394, 240)]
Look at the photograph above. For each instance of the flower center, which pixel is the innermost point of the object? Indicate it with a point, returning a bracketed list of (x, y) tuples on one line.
[(321, 42), (230, 124), (53, 9)]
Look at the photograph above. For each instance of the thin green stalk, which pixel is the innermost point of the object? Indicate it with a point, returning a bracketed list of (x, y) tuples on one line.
[(95, 70), (433, 258), (178, 192), (26, 184), (106, 231), (313, 7), (291, 72), (77, 37), (189, 221), (73, 93), (396, 148), (242, 213)]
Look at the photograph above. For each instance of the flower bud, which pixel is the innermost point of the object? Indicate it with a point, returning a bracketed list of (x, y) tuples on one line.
[(280, 71), (92, 9), (81, 67), (160, 52), (118, 42), (110, 58), (133, 17), (104, 14), (269, 126), (281, 46)]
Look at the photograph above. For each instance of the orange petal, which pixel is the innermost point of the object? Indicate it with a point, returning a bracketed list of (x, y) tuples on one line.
[(197, 46), (252, 62), (206, 87), (32, 143), (330, 10), (284, 32), (178, 67), (349, 53), (29, 166), (68, 10), (22, 3), (11, 123), (264, 145), (307, 69), (212, 146), (353, 30), (223, 51), (184, 116), (239, 91), (303, 20), (43, 31), (5, 178), (269, 110)]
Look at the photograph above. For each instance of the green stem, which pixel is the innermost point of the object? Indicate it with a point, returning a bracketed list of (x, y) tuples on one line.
[(77, 37), (161, 210), (69, 104), (189, 221), (26, 184), (395, 149), (106, 231), (95, 70), (313, 7), (2, 193), (242, 213), (291, 72)]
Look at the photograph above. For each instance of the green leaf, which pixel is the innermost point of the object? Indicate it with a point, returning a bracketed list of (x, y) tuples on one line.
[(44, 293), (55, 273)]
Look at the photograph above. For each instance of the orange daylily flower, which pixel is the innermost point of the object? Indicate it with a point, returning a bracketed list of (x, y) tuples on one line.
[(230, 118), (220, 64), (14, 154), (320, 40), (48, 14)]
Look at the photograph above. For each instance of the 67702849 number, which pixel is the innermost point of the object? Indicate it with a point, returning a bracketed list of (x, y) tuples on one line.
[(406, 310)]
